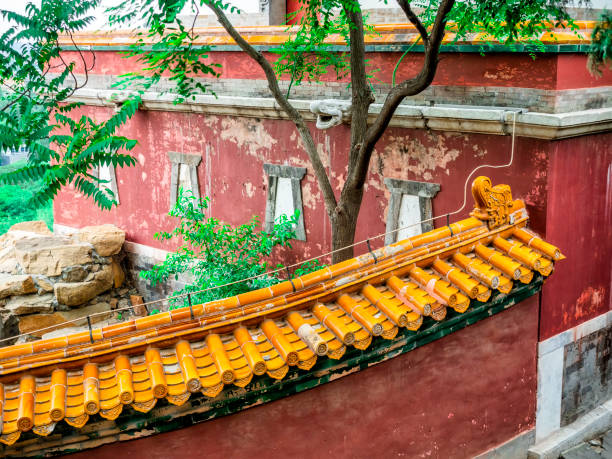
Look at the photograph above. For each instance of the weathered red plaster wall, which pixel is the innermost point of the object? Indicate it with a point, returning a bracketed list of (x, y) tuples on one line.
[(572, 73), (455, 69), (547, 71), (453, 398), (234, 149), (579, 221), (294, 6)]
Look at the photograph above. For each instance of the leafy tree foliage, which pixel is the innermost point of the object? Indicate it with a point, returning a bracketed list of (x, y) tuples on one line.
[(36, 111), (214, 254), (168, 46), (12, 209), (14, 203), (600, 53)]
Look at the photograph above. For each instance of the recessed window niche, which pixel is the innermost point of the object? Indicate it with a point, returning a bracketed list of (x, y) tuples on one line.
[(184, 174), (284, 196), (410, 203), (106, 173)]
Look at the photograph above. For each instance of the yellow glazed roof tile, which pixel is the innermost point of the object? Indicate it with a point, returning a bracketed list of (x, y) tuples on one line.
[(275, 35), (233, 341)]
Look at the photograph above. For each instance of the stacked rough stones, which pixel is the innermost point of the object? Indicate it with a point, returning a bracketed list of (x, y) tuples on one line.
[(48, 279)]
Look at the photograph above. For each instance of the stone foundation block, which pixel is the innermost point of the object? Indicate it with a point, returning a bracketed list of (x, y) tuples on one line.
[(77, 293), (16, 285), (37, 226), (106, 239), (44, 283), (35, 323), (49, 255), (30, 304), (118, 274)]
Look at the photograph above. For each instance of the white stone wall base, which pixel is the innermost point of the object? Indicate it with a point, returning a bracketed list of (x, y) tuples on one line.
[(592, 424), (515, 448), (551, 353)]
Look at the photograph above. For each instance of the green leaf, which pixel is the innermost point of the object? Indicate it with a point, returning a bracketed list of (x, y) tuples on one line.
[(214, 254), (36, 108), (600, 52)]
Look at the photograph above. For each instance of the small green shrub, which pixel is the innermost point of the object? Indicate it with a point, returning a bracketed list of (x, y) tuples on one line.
[(215, 254), (600, 52), (16, 205)]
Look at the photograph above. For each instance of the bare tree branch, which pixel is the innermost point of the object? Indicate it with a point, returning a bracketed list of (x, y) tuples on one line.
[(361, 94), (17, 99), (76, 82), (294, 115), (406, 88), (412, 17), (83, 60)]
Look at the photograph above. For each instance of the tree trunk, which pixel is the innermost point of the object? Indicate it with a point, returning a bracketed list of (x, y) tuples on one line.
[(344, 223), (343, 213)]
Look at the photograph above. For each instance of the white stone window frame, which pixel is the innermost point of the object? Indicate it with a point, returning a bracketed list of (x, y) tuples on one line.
[(191, 161), (112, 183), (295, 175), (425, 191)]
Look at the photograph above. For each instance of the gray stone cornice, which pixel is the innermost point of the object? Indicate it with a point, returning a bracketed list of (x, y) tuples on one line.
[(468, 119)]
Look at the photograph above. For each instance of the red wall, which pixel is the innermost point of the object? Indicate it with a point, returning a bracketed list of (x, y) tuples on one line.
[(556, 179), (547, 71), (572, 73), (233, 151), (453, 398), (579, 221), (567, 185), (422, 402), (294, 6)]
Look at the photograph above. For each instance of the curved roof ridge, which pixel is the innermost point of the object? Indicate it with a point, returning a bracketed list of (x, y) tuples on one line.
[(224, 307), (274, 35)]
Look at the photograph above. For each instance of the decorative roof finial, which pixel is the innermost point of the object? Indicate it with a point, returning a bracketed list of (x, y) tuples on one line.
[(494, 204)]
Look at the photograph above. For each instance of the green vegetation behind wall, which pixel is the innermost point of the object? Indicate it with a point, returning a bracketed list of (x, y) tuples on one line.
[(219, 260), (14, 202)]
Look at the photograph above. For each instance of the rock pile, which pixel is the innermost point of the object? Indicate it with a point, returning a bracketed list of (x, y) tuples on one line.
[(48, 279)]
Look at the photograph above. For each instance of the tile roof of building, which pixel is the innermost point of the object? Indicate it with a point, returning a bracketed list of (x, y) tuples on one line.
[(228, 342), (384, 34)]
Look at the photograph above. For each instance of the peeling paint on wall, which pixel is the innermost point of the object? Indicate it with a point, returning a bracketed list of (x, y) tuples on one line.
[(324, 152), (478, 152), (590, 300), (502, 72), (406, 152), (250, 135), (295, 137), (310, 195), (537, 194), (249, 190), (211, 121)]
